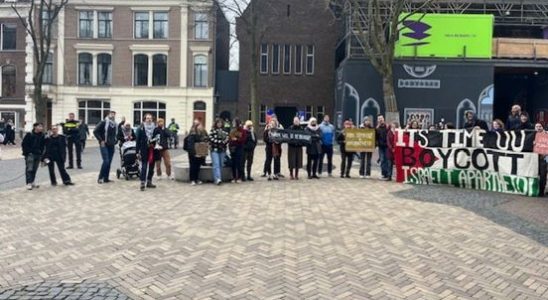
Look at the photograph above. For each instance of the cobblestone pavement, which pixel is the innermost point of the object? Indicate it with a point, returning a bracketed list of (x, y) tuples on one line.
[(310, 239)]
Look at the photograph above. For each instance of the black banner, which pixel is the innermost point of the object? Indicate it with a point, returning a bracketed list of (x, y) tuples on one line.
[(292, 137)]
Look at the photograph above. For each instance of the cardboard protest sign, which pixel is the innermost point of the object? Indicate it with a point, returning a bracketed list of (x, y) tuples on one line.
[(360, 140), (292, 137), (541, 143), (476, 159)]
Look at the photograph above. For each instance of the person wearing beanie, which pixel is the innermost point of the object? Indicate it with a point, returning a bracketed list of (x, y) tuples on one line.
[(314, 149), (346, 157), (365, 157)]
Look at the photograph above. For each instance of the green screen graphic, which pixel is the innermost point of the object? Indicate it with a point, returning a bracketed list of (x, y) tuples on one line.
[(445, 36)]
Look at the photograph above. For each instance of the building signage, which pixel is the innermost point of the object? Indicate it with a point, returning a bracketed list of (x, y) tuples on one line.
[(445, 36), (476, 159), (420, 80)]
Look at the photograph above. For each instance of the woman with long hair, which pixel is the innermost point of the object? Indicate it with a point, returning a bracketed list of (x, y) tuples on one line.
[(238, 137), (197, 134), (295, 153), (218, 140)]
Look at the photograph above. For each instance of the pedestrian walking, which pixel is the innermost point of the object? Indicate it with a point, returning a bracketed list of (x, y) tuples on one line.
[(295, 152), (328, 139), (218, 140), (55, 154), (163, 150), (381, 139), (84, 133), (72, 131), (346, 156), (196, 135), (273, 150), (238, 137), (146, 144), (105, 133), (33, 148), (365, 157), (174, 131), (9, 138), (249, 149), (314, 149)]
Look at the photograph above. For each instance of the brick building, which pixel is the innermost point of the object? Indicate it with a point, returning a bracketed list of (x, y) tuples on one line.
[(296, 59), (136, 58)]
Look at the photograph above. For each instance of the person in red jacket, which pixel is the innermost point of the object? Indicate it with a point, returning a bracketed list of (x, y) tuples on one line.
[(391, 143), (238, 137)]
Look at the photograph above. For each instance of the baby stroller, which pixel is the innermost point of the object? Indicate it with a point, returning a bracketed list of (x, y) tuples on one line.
[(128, 161)]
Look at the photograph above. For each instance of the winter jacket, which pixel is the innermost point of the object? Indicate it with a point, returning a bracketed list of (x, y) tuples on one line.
[(218, 139), (71, 129), (341, 139), (238, 137), (513, 122), (55, 148), (164, 135), (391, 144), (315, 146), (381, 136), (526, 126), (194, 138), (250, 141), (476, 123), (100, 133), (122, 139), (33, 143), (328, 133)]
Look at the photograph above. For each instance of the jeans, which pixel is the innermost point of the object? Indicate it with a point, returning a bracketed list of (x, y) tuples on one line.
[(107, 152), (237, 167), (312, 164), (389, 168), (384, 161), (166, 157), (326, 150), (218, 159), (346, 163), (70, 143), (247, 161), (195, 164), (365, 163), (32, 161), (61, 167)]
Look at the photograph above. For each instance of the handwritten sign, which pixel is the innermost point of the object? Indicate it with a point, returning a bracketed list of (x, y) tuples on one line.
[(541, 143), (360, 140), (292, 137)]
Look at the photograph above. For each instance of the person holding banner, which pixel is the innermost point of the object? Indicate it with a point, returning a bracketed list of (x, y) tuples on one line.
[(346, 157), (328, 139), (381, 133), (196, 135), (497, 126), (365, 157), (295, 152), (273, 150), (314, 149), (524, 122), (543, 164), (249, 149)]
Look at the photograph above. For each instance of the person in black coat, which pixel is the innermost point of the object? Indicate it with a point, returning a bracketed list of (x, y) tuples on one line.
[(55, 154), (472, 121), (249, 149), (525, 124), (10, 133), (196, 135), (314, 149), (33, 148), (105, 133), (125, 134), (71, 129), (163, 154), (346, 157), (146, 144)]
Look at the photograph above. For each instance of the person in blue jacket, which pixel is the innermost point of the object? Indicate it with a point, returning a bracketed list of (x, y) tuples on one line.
[(328, 139)]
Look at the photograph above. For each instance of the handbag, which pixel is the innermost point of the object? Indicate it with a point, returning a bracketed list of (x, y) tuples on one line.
[(201, 149)]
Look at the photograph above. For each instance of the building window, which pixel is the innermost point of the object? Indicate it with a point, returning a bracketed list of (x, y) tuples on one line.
[(155, 108), (310, 60), (287, 59), (85, 63), (93, 111), (47, 76), (264, 59), (8, 81), (160, 25), (308, 112), (159, 70), (105, 24), (320, 112), (276, 59), (201, 26), (298, 59), (104, 69), (9, 36), (141, 25), (262, 114), (200, 71), (140, 70), (86, 24)]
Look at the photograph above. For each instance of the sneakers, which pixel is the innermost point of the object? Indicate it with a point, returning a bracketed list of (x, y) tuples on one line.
[(199, 182), (100, 181), (29, 187), (362, 177), (193, 183), (150, 185), (171, 177), (159, 177), (218, 182), (142, 186)]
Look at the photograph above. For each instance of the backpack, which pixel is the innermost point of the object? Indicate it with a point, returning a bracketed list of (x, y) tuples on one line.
[(186, 143)]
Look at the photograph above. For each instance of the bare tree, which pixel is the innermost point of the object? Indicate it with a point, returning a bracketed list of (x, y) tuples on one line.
[(376, 26), (39, 21)]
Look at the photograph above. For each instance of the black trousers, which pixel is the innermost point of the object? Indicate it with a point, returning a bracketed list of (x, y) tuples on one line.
[(346, 162), (76, 144), (543, 170), (61, 167), (312, 164), (247, 161), (32, 161), (195, 165), (147, 169), (237, 166), (326, 151), (83, 144), (365, 163)]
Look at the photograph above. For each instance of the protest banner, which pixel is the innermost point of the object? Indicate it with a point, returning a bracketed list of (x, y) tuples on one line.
[(475, 159), (293, 137), (541, 143), (360, 140)]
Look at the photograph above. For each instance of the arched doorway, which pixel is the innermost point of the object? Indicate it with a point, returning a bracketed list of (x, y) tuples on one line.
[(199, 112)]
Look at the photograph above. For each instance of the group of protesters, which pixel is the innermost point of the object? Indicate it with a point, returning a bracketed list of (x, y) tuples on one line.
[(234, 146)]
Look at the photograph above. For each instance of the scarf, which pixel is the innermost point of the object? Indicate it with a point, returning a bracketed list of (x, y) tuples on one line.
[(109, 124), (313, 127), (149, 129), (127, 132)]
